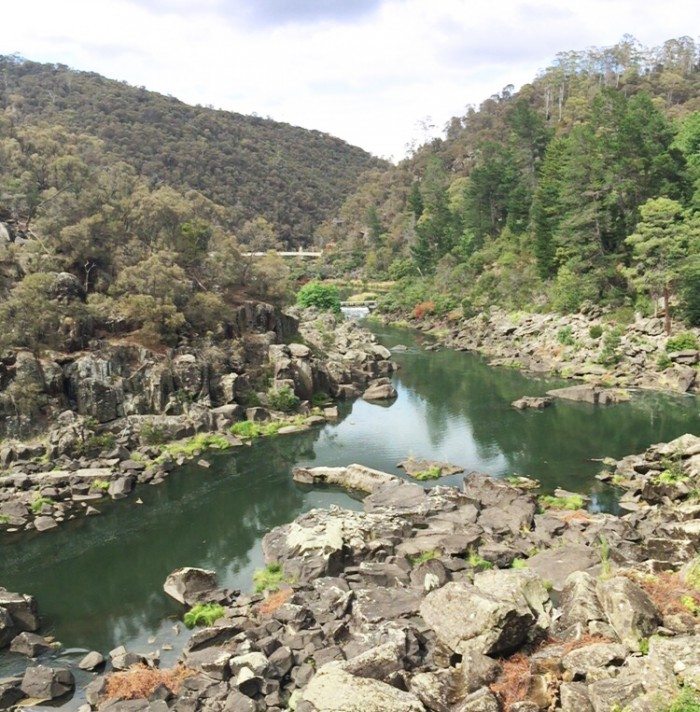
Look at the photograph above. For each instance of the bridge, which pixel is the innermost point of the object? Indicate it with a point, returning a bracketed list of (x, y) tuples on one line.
[(300, 254)]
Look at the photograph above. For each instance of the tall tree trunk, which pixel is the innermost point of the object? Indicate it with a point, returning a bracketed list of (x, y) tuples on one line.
[(667, 311)]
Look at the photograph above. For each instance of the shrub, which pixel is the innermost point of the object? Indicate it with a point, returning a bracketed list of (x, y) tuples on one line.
[(203, 614), (478, 562), (251, 429), (321, 296), (282, 399), (423, 308), (519, 564), (192, 446), (38, 503), (609, 354), (690, 292), (566, 336), (681, 342), (571, 502), (687, 701), (595, 331), (151, 434), (430, 473), (270, 578), (102, 485), (663, 362), (423, 557)]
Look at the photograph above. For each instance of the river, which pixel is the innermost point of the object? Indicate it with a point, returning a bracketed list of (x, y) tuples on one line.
[(99, 580)]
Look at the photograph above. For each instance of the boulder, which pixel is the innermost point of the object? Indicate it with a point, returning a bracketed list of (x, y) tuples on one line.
[(30, 644), (465, 618), (188, 585), (353, 477), (482, 700), (617, 693), (334, 690), (557, 564), (532, 403), (22, 608), (579, 601), (379, 389), (10, 692), (628, 609), (581, 661), (46, 683), (91, 661)]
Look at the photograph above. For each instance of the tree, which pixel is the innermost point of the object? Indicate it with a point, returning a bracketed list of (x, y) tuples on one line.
[(660, 246), (321, 296)]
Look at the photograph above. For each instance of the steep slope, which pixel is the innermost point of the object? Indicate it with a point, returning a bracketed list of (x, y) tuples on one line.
[(293, 177), (535, 198)]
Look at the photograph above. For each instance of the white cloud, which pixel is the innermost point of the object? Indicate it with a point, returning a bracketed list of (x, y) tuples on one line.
[(366, 75)]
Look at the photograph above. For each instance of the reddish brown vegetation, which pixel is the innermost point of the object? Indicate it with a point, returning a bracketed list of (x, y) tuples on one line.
[(667, 591), (139, 682), (420, 310), (513, 683), (274, 601)]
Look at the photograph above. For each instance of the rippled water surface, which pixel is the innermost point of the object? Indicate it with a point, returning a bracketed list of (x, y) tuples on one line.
[(99, 580)]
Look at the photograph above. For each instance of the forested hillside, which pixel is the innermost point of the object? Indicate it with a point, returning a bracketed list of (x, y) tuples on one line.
[(583, 186), (253, 167)]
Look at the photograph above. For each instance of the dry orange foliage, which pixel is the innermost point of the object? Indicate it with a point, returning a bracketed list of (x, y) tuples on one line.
[(514, 681), (275, 600), (667, 591), (139, 682)]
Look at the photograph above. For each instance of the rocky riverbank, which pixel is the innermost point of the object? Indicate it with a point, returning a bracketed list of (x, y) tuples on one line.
[(121, 417), (581, 346), (485, 598)]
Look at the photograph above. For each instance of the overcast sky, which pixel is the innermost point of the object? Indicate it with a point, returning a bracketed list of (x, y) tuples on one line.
[(369, 71)]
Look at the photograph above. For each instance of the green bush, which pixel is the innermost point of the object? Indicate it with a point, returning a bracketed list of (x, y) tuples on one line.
[(687, 701), (574, 501), (596, 331), (681, 342), (609, 354), (424, 556), (193, 446), (319, 295), (689, 292), (203, 614), (566, 336), (38, 503), (478, 562), (269, 579), (663, 362), (251, 429), (431, 473), (282, 399), (152, 435)]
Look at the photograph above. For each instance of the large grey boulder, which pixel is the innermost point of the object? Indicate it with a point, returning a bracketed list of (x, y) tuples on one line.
[(579, 602), (334, 690), (353, 477), (465, 618), (10, 692), (22, 608), (616, 693), (557, 564), (30, 644), (379, 390), (187, 585), (628, 609), (46, 683)]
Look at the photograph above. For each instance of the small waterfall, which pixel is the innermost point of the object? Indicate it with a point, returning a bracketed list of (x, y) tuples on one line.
[(355, 312)]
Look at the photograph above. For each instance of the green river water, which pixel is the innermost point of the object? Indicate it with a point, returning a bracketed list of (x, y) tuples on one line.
[(99, 580)]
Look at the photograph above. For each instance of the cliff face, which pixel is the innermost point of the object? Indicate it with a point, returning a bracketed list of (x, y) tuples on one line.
[(112, 379)]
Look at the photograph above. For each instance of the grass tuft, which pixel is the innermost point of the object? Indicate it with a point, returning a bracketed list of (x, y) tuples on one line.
[(270, 578), (424, 556), (572, 502), (203, 614)]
